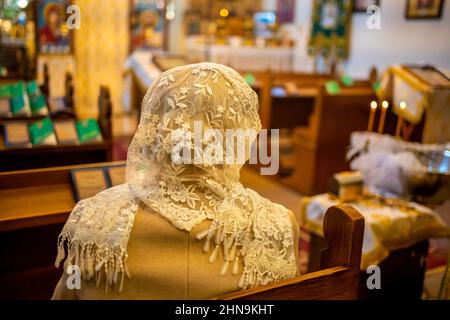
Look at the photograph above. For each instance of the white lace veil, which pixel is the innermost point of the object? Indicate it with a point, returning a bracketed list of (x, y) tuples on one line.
[(244, 225)]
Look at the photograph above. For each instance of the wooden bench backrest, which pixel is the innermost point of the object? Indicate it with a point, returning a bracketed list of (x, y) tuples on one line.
[(339, 275)]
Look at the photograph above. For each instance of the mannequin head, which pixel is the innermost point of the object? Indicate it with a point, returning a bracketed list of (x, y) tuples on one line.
[(202, 117)]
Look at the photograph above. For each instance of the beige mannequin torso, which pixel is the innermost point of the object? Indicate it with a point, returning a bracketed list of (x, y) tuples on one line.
[(164, 263)]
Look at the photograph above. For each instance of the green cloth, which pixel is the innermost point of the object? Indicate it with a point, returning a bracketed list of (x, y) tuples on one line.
[(332, 87), (347, 80), (39, 131), (376, 86), (87, 129), (37, 102), (250, 79)]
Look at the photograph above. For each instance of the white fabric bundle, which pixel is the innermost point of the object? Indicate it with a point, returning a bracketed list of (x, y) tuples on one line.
[(389, 165)]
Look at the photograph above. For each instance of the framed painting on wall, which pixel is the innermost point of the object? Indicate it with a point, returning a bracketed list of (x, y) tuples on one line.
[(362, 5), (331, 23), (53, 34), (424, 9), (147, 24), (285, 11)]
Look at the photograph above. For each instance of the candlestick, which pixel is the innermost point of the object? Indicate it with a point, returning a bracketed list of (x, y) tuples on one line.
[(385, 106), (373, 111), (400, 119)]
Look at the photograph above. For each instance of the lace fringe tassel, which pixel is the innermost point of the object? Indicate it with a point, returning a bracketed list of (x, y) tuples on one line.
[(95, 263), (231, 253), (252, 275)]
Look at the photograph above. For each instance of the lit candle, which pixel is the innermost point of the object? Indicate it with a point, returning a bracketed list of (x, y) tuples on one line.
[(373, 111), (400, 119), (385, 106)]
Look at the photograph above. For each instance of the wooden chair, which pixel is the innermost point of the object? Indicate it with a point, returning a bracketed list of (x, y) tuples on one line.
[(34, 205), (339, 275)]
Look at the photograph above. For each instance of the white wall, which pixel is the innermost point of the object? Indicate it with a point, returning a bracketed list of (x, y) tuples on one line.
[(398, 41)]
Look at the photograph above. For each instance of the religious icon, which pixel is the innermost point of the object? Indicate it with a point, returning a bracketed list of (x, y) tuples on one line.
[(146, 25), (53, 33), (330, 14), (362, 5), (331, 21), (424, 9), (285, 11)]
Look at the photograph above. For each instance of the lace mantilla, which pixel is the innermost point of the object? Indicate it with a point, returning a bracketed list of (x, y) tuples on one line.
[(244, 225)]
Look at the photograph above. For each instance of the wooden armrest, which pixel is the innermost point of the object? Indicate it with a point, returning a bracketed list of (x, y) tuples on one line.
[(343, 230)]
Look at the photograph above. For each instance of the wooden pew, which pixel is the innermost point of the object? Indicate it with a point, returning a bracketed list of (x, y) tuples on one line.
[(338, 278), (12, 159), (34, 205), (289, 111), (403, 271), (295, 108), (319, 124), (320, 147)]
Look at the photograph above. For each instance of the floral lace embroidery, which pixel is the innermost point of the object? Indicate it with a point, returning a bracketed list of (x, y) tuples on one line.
[(244, 225)]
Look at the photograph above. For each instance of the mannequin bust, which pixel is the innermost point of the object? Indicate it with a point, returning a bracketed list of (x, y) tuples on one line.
[(181, 229), (178, 268)]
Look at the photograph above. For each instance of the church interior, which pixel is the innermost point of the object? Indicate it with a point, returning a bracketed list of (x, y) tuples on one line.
[(352, 101)]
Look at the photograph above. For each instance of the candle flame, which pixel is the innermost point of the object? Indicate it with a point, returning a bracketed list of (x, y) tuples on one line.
[(223, 12), (403, 105), (373, 105), (385, 104)]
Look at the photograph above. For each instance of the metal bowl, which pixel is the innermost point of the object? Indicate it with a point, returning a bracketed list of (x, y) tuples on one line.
[(436, 185), (437, 162)]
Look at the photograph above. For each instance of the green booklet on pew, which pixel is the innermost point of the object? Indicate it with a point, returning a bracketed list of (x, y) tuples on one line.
[(38, 104), (88, 131), (42, 132), (5, 91), (17, 104), (20, 104), (332, 88), (347, 80), (33, 88)]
